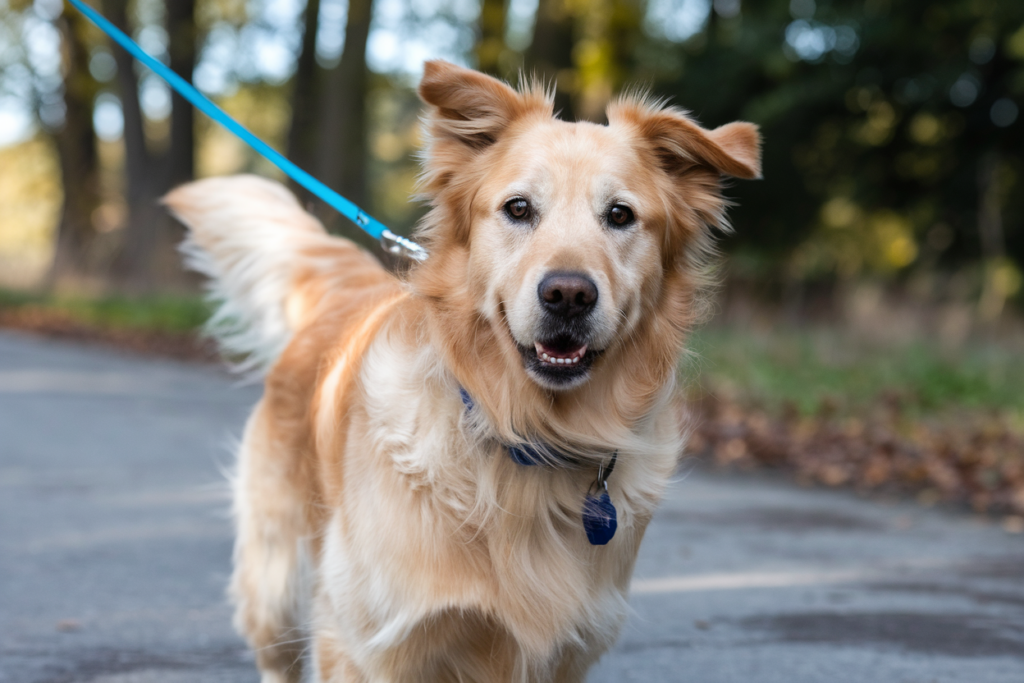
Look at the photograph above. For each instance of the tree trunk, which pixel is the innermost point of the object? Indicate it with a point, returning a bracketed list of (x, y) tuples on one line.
[(991, 189), (550, 52), (139, 165), (302, 134), (342, 141), (179, 162), (491, 44), (147, 256), (79, 164)]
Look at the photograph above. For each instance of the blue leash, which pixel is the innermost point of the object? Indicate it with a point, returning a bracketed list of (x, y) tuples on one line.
[(392, 243)]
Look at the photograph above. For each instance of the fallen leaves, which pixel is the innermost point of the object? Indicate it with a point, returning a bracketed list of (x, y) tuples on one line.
[(974, 457)]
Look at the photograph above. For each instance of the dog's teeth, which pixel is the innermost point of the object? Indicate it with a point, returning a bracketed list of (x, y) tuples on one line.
[(574, 359)]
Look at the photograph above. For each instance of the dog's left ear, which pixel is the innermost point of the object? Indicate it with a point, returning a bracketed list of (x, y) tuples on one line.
[(471, 108), (679, 143)]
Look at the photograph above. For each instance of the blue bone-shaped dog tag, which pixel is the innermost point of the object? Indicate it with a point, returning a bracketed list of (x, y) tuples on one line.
[(599, 518)]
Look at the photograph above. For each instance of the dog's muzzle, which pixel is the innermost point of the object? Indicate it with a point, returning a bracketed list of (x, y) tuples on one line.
[(562, 356)]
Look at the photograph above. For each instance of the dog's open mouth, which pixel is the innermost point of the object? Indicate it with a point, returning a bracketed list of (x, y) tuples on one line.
[(553, 355), (560, 360)]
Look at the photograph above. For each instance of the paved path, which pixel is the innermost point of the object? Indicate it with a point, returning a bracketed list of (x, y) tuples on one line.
[(115, 545)]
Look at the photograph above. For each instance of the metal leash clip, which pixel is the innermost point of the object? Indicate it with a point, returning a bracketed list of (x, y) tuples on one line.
[(603, 472), (600, 518), (401, 246)]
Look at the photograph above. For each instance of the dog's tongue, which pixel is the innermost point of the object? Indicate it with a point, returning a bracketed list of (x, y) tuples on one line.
[(560, 356)]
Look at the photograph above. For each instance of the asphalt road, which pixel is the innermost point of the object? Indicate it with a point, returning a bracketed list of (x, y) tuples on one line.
[(115, 547)]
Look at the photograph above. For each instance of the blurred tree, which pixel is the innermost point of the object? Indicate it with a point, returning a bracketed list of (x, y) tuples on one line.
[(147, 257), (605, 53), (183, 39), (79, 164), (328, 132), (549, 55), (491, 36), (306, 89), (342, 138), (588, 48)]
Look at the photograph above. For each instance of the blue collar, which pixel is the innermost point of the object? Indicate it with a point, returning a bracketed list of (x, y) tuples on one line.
[(600, 519), (526, 453)]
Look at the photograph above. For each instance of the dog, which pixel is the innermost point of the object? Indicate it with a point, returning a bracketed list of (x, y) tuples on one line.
[(450, 472)]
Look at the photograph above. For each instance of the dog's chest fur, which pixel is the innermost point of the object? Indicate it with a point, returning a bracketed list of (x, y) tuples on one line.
[(566, 267), (434, 540)]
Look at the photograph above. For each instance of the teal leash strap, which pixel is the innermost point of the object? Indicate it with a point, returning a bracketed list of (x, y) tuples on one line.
[(392, 243)]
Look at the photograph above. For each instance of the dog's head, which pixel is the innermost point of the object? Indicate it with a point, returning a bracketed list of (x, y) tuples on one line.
[(573, 245)]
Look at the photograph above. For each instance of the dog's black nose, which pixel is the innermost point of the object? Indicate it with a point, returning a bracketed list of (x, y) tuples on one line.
[(567, 294)]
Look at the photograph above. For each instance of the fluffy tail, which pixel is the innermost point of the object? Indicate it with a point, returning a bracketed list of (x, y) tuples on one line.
[(269, 263)]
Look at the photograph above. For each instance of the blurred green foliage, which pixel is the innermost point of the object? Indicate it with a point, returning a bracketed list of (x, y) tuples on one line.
[(156, 313), (813, 370), (892, 130)]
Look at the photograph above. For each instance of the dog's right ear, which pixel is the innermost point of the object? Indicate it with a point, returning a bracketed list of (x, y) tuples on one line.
[(471, 108)]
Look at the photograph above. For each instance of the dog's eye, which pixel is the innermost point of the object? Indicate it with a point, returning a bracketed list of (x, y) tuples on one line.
[(620, 216), (518, 209)]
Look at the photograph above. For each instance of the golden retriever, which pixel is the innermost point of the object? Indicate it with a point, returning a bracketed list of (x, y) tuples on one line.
[(449, 474)]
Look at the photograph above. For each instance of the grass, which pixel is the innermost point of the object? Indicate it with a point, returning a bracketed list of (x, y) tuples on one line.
[(161, 313), (812, 370)]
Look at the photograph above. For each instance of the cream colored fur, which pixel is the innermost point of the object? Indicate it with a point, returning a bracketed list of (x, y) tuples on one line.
[(384, 534), (250, 238)]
